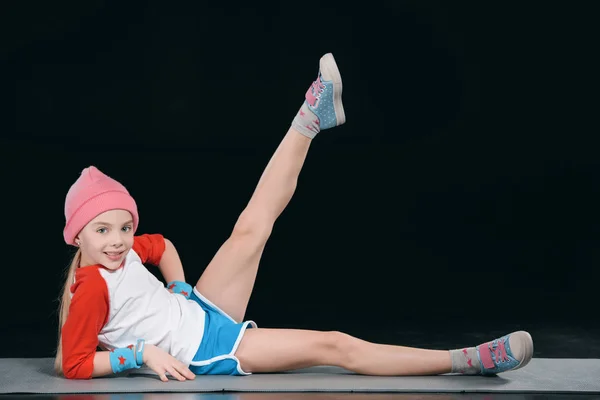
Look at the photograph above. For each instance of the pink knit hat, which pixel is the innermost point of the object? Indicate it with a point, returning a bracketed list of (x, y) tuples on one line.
[(91, 195)]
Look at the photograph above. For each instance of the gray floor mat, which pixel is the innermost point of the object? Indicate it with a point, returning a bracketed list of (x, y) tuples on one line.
[(35, 375)]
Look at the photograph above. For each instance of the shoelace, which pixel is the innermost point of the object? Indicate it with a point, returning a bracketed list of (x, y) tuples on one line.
[(498, 351), (318, 87)]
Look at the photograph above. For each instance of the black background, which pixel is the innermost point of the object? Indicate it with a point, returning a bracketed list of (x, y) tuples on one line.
[(462, 193)]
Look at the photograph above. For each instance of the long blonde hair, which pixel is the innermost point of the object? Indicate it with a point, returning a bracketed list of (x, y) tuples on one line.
[(63, 311)]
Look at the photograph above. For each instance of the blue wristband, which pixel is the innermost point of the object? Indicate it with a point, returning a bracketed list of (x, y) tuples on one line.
[(139, 352), (122, 359), (181, 288)]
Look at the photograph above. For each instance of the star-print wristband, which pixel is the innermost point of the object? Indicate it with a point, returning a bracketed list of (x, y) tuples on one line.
[(122, 359), (181, 288)]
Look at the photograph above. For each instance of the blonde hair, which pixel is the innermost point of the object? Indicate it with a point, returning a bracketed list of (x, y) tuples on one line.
[(63, 311)]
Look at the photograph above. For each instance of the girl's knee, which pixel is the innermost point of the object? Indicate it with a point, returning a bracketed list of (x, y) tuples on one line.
[(340, 348), (254, 227)]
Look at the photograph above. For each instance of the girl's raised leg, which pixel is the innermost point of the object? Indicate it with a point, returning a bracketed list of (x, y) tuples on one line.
[(229, 278)]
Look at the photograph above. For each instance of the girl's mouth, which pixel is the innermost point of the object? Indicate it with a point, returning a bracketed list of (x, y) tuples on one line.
[(114, 255)]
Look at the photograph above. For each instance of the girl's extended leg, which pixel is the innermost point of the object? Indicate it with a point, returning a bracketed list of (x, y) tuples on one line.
[(229, 278), (274, 350)]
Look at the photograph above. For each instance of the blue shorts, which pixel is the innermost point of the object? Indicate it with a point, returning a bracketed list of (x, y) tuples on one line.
[(222, 335)]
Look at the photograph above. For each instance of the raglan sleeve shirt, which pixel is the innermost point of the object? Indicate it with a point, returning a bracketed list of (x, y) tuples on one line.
[(89, 310)]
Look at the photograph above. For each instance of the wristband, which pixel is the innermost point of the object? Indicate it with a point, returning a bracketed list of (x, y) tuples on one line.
[(122, 359), (181, 288), (139, 352)]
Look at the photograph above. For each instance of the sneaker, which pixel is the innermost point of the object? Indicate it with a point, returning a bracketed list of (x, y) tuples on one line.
[(324, 96), (507, 353), (322, 106)]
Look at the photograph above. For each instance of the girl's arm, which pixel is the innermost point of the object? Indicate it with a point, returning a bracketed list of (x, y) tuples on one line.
[(118, 360), (102, 365), (159, 251), (170, 264), (156, 359)]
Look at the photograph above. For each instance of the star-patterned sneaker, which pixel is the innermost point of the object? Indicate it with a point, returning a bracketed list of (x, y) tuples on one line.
[(322, 107), (510, 352)]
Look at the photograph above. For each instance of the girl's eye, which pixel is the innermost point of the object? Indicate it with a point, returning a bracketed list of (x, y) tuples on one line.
[(101, 229), (127, 228)]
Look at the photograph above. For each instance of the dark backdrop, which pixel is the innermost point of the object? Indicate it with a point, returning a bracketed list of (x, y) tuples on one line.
[(463, 188)]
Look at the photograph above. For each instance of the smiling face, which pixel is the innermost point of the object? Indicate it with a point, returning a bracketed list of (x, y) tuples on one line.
[(106, 239)]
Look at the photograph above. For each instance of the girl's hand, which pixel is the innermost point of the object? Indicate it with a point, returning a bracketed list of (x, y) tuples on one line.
[(162, 362)]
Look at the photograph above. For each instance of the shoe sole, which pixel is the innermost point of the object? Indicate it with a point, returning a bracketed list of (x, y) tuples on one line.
[(528, 352), (330, 71)]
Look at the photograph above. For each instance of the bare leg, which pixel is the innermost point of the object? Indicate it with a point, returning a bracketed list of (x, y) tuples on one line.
[(275, 350), (229, 278)]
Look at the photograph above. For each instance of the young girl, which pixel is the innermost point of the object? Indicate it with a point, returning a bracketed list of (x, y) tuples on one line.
[(111, 301)]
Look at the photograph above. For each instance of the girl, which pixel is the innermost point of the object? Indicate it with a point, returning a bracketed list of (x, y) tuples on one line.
[(111, 301)]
